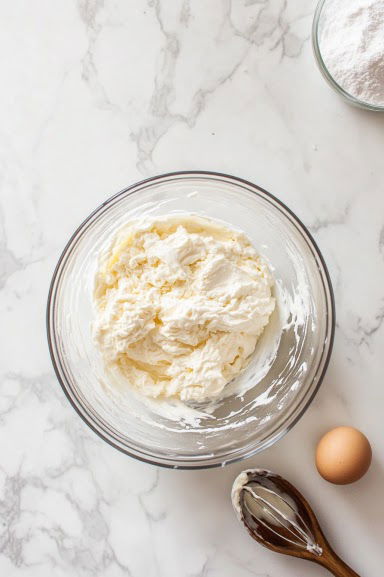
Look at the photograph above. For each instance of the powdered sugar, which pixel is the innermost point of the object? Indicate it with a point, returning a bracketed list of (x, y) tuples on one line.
[(351, 38)]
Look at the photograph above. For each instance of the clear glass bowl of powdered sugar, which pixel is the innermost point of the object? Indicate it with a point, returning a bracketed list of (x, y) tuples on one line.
[(348, 42), (282, 375)]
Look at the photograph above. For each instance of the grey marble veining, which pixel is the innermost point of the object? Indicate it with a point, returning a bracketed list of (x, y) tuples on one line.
[(97, 94)]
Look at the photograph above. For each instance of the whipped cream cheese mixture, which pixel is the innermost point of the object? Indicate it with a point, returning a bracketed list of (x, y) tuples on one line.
[(180, 303)]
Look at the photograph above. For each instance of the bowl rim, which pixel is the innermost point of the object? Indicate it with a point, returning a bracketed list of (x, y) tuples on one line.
[(325, 71), (282, 430)]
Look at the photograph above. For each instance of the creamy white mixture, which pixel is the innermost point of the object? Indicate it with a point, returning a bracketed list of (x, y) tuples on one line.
[(180, 304)]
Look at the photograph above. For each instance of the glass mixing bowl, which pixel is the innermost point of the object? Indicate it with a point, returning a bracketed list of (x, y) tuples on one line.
[(317, 27), (285, 371)]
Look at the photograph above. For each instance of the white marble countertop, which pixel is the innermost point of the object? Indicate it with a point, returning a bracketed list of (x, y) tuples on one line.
[(97, 94)]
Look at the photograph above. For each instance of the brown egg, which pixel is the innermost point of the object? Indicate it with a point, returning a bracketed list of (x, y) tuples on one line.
[(343, 455)]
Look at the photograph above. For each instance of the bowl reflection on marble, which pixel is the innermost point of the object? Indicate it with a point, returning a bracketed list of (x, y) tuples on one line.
[(285, 371)]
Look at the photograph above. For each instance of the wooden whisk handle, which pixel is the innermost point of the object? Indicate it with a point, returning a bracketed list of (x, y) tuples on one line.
[(336, 566)]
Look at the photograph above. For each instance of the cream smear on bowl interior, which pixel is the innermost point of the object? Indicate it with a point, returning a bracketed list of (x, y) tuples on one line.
[(181, 302)]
